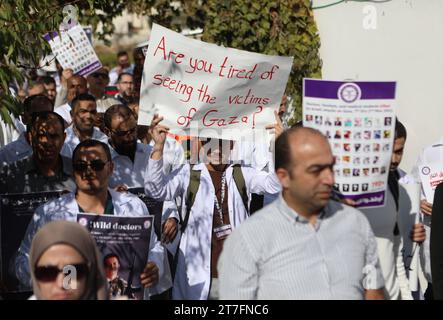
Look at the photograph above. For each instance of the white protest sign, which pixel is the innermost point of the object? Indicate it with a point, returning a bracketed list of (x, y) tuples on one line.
[(208, 90), (431, 176), (73, 50), (358, 118)]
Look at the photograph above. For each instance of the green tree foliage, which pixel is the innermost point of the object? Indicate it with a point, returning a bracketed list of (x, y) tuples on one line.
[(22, 25), (285, 28)]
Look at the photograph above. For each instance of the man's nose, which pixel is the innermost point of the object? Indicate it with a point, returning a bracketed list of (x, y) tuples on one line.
[(328, 176)]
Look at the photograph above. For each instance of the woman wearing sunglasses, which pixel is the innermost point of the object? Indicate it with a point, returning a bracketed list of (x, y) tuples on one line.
[(65, 264)]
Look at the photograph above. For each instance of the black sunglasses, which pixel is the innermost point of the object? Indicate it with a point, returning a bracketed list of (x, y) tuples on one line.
[(124, 133), (97, 75), (82, 166), (50, 273)]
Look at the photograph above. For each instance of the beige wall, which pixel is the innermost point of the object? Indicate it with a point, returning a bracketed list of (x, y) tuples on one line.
[(406, 46)]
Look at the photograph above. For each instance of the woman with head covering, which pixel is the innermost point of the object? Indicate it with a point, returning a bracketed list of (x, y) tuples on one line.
[(65, 264)]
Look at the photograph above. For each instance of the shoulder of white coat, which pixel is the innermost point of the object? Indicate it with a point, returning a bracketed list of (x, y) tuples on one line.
[(58, 205), (135, 206), (100, 136), (144, 148)]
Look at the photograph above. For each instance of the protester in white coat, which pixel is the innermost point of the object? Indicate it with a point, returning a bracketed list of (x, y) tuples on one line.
[(20, 148), (93, 196), (131, 159), (196, 265)]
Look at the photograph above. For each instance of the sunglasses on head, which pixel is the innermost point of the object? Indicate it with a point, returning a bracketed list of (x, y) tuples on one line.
[(50, 273), (97, 75), (124, 133), (82, 166)]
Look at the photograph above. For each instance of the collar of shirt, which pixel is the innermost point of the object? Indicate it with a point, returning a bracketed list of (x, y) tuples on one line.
[(140, 149), (30, 167), (292, 216)]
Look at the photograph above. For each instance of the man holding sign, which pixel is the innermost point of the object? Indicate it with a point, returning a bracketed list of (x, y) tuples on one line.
[(93, 168), (215, 197), (210, 91)]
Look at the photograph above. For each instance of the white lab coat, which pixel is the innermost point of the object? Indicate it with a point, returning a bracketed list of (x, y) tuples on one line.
[(66, 208), (65, 111), (390, 248), (430, 154), (15, 151), (72, 140), (193, 274), (132, 174)]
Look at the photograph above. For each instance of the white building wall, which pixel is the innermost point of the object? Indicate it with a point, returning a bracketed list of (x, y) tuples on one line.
[(406, 46)]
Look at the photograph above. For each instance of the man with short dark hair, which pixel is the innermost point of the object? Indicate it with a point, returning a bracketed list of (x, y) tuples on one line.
[(97, 82), (303, 245), (50, 87), (20, 148), (92, 167), (215, 196), (45, 169), (83, 114), (131, 159), (123, 66), (117, 285), (125, 86)]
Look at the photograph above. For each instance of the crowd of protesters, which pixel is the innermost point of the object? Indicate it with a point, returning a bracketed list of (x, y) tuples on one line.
[(268, 226)]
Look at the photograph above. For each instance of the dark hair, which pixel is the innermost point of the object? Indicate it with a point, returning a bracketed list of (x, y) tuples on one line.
[(46, 115), (120, 109), (121, 75), (283, 150), (46, 80), (36, 82), (81, 97), (136, 51), (36, 100), (400, 130), (133, 100), (92, 143), (121, 54), (298, 124), (110, 255)]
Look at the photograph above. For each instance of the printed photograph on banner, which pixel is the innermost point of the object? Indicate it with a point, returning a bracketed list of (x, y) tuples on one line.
[(431, 175), (206, 90), (124, 245), (359, 122), (73, 49)]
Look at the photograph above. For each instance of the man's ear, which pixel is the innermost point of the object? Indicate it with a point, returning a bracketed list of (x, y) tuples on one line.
[(29, 138), (107, 131), (283, 176), (111, 167)]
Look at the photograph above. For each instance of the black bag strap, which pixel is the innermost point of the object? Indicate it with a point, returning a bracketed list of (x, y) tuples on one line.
[(240, 182)]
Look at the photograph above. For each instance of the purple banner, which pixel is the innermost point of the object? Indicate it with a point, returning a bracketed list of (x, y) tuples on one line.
[(330, 89), (373, 199), (90, 69), (47, 36)]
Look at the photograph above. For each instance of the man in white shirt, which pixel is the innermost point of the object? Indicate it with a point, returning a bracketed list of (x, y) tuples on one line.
[(430, 154), (75, 85), (93, 168), (131, 159), (84, 113), (219, 204), (304, 245), (20, 148)]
